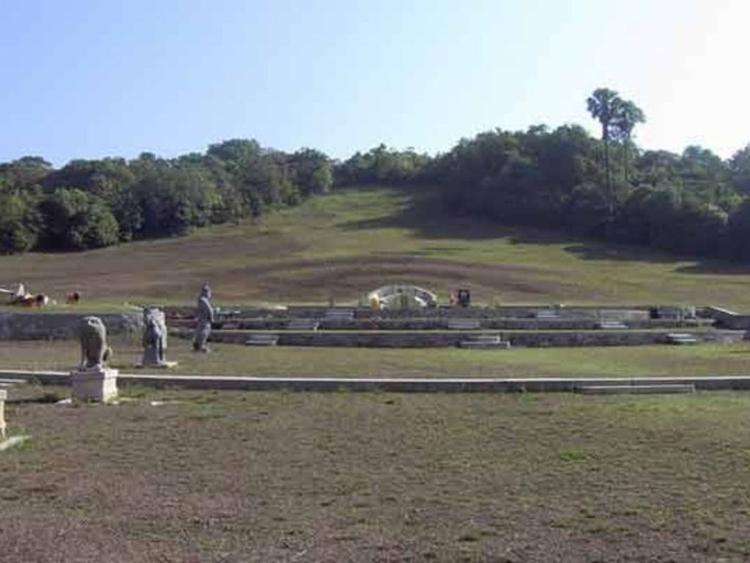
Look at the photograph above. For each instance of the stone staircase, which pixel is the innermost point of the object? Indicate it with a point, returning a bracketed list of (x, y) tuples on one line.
[(262, 339), (681, 338), (464, 324), (484, 341)]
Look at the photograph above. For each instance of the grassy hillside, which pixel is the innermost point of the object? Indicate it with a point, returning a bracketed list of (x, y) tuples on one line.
[(344, 244)]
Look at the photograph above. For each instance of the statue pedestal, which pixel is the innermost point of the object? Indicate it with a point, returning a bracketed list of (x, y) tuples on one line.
[(95, 384), (3, 396)]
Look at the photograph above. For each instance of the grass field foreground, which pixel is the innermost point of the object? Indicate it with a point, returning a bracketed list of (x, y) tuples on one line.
[(283, 361), (363, 477)]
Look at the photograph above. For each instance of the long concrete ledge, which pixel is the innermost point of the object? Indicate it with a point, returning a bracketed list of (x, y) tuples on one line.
[(406, 385), (444, 339)]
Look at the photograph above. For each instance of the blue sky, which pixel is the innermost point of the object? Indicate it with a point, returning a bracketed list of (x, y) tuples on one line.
[(87, 79)]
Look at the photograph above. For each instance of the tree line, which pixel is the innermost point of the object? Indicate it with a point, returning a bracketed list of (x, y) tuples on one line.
[(693, 203), (95, 203), (604, 187)]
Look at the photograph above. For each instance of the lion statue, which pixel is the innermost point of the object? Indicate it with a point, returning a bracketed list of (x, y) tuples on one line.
[(95, 352)]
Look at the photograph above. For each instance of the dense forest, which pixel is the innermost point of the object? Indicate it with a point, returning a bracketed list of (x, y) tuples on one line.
[(605, 187)]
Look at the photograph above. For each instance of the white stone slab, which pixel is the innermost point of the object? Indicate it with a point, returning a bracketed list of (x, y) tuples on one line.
[(3, 396), (99, 385)]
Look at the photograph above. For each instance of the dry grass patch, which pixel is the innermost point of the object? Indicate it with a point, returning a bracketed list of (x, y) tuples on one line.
[(363, 477)]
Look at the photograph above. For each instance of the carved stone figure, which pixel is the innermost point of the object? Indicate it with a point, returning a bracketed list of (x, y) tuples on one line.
[(204, 316), (95, 352), (154, 338)]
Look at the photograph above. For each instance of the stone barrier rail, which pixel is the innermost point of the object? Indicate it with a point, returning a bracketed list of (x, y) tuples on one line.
[(412, 385)]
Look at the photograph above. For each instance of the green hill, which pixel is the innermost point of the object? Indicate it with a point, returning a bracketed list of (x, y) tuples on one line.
[(346, 243)]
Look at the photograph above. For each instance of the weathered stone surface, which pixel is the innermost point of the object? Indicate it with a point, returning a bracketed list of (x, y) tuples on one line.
[(652, 389), (49, 326), (428, 339), (204, 316), (97, 384), (95, 351), (155, 339), (3, 396)]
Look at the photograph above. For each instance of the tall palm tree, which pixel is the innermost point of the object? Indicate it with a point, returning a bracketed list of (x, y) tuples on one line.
[(629, 116), (604, 105)]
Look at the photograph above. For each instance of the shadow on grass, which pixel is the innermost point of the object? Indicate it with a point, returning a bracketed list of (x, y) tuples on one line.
[(426, 216), (711, 267)]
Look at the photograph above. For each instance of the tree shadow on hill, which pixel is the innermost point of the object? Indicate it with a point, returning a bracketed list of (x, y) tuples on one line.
[(595, 250), (710, 267), (426, 216)]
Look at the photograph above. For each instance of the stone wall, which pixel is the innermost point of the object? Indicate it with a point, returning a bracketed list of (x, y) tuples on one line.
[(51, 326), (437, 323), (436, 339), (591, 313)]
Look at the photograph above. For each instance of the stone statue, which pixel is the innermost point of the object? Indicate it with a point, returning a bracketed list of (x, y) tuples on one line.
[(154, 338), (94, 381), (95, 353), (204, 316)]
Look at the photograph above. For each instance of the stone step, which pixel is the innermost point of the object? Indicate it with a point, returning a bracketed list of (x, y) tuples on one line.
[(612, 325), (484, 337), (262, 340), (303, 324), (484, 341), (635, 389), (504, 344), (546, 315), (681, 338), (339, 314), (11, 382), (464, 324)]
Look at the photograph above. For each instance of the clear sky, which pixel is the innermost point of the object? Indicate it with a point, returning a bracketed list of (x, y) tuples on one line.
[(87, 79)]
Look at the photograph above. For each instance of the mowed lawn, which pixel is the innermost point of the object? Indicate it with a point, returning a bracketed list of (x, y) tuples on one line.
[(344, 244), (284, 361), (379, 477)]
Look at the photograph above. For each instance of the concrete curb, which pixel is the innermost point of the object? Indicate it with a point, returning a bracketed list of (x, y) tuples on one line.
[(406, 385)]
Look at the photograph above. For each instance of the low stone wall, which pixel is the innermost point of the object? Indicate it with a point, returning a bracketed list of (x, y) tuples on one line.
[(727, 319), (437, 339), (260, 323), (53, 326), (591, 313)]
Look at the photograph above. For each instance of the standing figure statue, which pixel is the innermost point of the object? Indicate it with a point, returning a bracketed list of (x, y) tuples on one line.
[(204, 316), (155, 339)]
